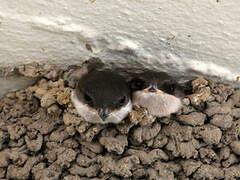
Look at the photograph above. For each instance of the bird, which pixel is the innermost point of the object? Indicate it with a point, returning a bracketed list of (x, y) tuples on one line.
[(102, 96), (158, 92)]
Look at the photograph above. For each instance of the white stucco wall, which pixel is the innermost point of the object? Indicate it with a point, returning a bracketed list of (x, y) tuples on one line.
[(179, 36)]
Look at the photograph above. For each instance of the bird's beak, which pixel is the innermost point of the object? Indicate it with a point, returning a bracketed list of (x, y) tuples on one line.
[(103, 113), (153, 90)]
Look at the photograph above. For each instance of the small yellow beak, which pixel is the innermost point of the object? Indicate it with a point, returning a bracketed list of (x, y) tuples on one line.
[(158, 91), (145, 90)]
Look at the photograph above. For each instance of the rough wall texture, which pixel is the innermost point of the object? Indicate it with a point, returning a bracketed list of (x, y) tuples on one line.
[(181, 37)]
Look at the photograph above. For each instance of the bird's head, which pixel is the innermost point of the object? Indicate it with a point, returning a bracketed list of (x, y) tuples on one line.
[(156, 82), (104, 94), (156, 91)]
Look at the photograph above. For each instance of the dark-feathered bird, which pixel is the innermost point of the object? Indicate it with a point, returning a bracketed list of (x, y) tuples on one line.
[(102, 97), (157, 92)]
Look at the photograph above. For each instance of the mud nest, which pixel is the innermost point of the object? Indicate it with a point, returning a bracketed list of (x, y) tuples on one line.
[(42, 137)]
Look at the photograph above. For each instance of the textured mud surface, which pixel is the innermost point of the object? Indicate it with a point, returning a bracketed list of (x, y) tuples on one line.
[(42, 137)]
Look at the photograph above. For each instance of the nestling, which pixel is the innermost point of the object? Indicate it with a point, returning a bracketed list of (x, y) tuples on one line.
[(102, 97), (156, 91)]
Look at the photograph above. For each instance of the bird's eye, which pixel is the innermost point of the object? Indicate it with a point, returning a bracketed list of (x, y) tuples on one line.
[(137, 84), (88, 98), (169, 88), (122, 100)]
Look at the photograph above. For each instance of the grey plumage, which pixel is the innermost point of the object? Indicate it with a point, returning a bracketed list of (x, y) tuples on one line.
[(156, 91)]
